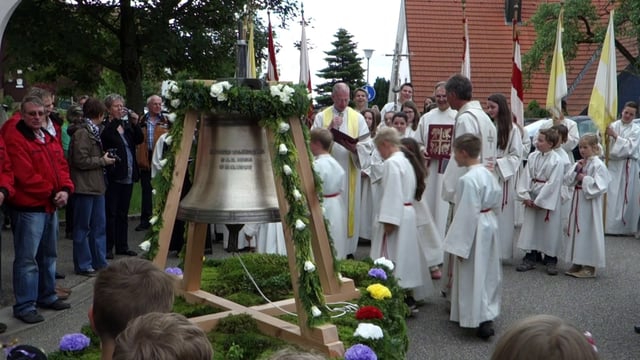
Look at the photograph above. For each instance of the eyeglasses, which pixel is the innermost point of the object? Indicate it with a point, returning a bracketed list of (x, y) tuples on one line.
[(34, 113), (441, 96)]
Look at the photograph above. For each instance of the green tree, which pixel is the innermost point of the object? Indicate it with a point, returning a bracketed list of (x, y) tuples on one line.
[(136, 39), (344, 65), (381, 85), (582, 25)]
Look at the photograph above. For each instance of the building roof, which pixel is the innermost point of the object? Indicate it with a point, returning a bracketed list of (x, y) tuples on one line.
[(435, 42)]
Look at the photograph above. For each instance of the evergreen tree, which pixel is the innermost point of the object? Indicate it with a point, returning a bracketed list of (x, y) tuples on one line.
[(343, 66), (381, 85)]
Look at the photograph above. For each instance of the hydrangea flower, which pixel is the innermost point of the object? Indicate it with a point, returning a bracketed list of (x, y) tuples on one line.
[(360, 352), (173, 271), (74, 342), (369, 312), (369, 331), (379, 292), (385, 262), (378, 273)]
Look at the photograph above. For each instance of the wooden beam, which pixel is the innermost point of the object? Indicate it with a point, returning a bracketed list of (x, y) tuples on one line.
[(173, 198), (196, 236)]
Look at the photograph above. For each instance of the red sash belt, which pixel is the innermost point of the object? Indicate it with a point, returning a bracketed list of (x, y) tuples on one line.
[(485, 210), (408, 204), (539, 181), (332, 195)]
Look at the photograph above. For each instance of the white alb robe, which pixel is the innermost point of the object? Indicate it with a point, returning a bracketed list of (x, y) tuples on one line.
[(437, 206), (471, 119), (332, 176), (623, 210), (565, 192), (400, 246), (268, 237), (541, 182), (475, 291), (585, 245), (372, 165), (429, 236), (345, 158), (507, 167)]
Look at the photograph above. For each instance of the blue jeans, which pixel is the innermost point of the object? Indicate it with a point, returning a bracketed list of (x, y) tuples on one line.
[(35, 237), (89, 232)]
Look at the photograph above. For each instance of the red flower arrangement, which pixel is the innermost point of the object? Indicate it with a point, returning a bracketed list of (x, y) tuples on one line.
[(369, 312)]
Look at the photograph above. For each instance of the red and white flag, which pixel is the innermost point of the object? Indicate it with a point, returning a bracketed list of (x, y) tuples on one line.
[(517, 90), (272, 69), (305, 72), (466, 58)]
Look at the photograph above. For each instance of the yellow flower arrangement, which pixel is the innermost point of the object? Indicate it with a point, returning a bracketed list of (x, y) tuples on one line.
[(379, 292)]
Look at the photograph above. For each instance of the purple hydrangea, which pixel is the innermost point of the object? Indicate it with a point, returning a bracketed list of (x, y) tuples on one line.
[(173, 271), (378, 273), (360, 352), (74, 342)]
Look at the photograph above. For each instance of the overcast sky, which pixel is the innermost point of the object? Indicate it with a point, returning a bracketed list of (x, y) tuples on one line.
[(373, 24)]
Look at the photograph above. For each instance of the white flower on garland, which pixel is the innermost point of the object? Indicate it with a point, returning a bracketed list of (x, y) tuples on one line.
[(297, 195), (175, 103), (283, 92), (369, 331), (282, 149), (300, 225), (153, 191), (309, 266), (385, 262), (218, 90), (315, 311), (145, 245), (167, 90), (168, 140), (287, 170), (283, 127), (163, 162), (153, 220), (172, 117)]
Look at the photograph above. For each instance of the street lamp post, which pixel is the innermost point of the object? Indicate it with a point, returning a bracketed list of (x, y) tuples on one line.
[(367, 54)]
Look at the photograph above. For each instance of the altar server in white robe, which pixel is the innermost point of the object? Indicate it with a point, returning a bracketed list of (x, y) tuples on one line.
[(442, 117), (623, 211), (473, 242), (332, 176), (589, 179), (509, 158), (539, 190), (397, 238), (573, 136), (567, 163), (267, 237), (348, 121)]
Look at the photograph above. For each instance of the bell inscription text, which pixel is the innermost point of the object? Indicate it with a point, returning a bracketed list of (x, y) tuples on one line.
[(236, 159)]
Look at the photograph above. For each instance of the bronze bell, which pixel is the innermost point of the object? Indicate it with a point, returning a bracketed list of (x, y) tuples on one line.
[(233, 181)]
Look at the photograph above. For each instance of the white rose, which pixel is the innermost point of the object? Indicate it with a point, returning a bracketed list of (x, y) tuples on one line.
[(309, 266), (175, 103), (153, 191), (315, 311), (166, 87), (168, 140), (217, 90), (287, 170), (163, 162), (174, 88), (153, 220), (145, 245), (300, 225), (296, 194), (172, 117), (283, 127), (369, 331), (282, 149)]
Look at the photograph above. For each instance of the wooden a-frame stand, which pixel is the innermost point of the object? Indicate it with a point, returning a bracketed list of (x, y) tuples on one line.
[(323, 338)]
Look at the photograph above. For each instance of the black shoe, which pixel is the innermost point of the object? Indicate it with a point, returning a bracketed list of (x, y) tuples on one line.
[(60, 276), (109, 255), (87, 273), (637, 328), (350, 257), (127, 253), (56, 305), (3, 327), (485, 330), (143, 227), (31, 317)]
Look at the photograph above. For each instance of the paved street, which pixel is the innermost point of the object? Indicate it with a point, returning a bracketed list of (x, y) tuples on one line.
[(607, 306)]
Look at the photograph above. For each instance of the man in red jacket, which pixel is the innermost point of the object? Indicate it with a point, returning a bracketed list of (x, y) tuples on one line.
[(43, 185)]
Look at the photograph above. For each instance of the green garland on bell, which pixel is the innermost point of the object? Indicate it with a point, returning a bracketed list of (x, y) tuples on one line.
[(275, 105)]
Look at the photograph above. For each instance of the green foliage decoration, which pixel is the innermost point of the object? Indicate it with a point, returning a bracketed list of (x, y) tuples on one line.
[(275, 106)]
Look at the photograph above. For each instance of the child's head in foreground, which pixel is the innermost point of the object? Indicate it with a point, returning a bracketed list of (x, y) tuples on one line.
[(543, 337), (166, 336), (126, 289)]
